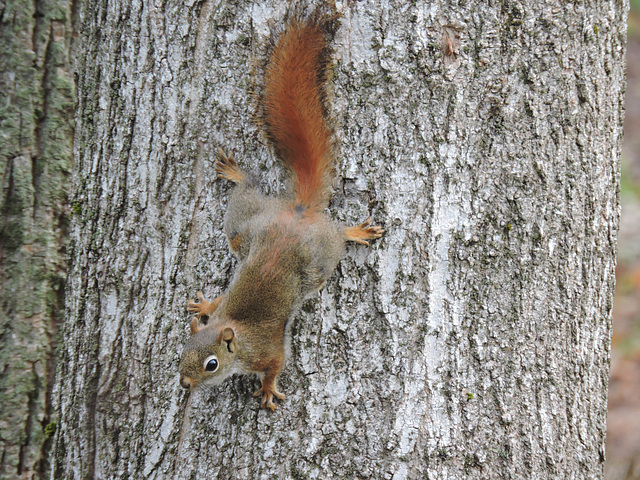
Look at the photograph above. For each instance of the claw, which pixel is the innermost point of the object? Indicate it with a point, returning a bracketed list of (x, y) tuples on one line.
[(363, 232), (267, 397), (201, 307), (227, 168)]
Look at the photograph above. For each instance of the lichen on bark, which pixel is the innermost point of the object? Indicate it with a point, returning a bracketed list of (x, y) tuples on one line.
[(35, 157)]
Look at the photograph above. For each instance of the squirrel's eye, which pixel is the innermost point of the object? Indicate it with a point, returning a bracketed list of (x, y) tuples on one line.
[(211, 363)]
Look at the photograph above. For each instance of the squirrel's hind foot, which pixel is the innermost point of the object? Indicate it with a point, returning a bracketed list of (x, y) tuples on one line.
[(363, 232), (228, 169)]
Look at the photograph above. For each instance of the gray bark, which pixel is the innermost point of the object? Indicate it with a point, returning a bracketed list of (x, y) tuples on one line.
[(36, 92), (472, 341)]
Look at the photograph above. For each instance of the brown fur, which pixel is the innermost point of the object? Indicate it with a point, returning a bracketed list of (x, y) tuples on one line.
[(286, 248), (294, 114)]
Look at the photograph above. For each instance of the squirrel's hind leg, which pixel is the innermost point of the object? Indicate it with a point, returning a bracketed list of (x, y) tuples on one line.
[(245, 202), (363, 232)]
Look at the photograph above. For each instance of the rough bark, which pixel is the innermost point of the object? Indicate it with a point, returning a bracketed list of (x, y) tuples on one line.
[(471, 342), (36, 109)]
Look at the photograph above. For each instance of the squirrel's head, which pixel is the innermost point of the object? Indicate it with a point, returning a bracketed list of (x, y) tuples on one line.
[(209, 355)]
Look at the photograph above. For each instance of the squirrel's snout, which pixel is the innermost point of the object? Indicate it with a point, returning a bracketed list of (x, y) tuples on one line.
[(185, 381)]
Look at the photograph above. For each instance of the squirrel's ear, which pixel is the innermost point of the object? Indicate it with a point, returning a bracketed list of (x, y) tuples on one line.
[(227, 335), (195, 327)]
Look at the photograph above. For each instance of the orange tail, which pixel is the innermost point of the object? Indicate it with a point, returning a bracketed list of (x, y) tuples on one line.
[(294, 113)]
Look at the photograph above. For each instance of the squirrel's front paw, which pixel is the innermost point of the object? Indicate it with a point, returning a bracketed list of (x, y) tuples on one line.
[(267, 396), (203, 306)]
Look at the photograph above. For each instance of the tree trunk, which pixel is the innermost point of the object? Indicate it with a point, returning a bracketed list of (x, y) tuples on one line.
[(36, 92), (472, 341)]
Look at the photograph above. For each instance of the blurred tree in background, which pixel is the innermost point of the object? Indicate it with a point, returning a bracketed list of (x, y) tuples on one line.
[(623, 423)]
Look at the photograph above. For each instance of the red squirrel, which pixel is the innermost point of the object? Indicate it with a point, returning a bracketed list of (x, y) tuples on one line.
[(286, 247)]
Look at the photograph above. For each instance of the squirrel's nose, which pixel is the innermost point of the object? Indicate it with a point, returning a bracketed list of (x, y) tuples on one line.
[(185, 381)]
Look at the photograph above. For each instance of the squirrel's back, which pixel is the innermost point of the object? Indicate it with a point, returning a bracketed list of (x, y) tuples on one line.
[(294, 115)]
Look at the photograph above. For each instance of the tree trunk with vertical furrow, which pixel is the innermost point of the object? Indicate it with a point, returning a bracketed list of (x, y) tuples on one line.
[(472, 341)]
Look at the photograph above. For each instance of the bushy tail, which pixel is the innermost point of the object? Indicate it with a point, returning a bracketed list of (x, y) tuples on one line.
[(294, 111)]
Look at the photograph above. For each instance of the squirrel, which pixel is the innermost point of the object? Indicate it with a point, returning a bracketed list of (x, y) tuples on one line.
[(287, 247)]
